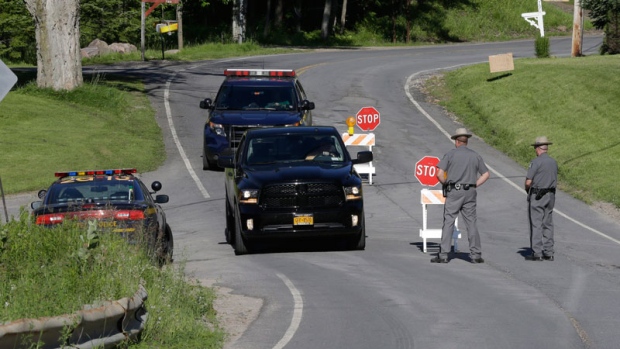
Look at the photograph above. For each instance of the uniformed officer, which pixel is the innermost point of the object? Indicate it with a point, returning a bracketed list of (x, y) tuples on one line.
[(461, 171), (540, 183)]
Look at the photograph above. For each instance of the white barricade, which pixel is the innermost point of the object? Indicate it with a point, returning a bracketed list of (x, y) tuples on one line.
[(362, 140), (434, 197)]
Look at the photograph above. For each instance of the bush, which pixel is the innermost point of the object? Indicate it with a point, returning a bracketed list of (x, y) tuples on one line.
[(542, 47)]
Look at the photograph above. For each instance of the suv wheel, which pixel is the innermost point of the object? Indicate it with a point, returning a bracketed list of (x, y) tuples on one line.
[(206, 164)]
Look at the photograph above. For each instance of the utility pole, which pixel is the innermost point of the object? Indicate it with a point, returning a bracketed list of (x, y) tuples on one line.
[(577, 30)]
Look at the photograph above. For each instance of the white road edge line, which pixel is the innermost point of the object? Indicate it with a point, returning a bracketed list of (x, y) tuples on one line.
[(519, 188), (188, 165), (297, 313)]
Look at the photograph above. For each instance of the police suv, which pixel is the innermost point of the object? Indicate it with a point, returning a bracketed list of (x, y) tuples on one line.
[(252, 98)]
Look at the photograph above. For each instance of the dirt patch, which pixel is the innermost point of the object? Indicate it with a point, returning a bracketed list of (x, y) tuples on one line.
[(235, 312)]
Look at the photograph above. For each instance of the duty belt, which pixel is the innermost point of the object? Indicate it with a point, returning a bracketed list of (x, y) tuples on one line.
[(540, 192), (459, 186)]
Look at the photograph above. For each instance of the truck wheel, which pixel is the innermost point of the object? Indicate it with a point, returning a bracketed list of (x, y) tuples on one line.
[(359, 242), (240, 246), (230, 224)]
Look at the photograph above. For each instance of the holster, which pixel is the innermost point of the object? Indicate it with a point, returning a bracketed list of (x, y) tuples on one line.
[(446, 188)]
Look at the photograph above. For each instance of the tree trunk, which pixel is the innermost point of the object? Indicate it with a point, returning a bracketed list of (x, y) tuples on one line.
[(239, 20), (408, 19), (180, 22), (327, 10), (343, 16), (57, 31), (267, 28), (297, 9), (279, 14)]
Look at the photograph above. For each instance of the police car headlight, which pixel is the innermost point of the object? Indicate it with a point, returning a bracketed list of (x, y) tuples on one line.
[(353, 193), (218, 129), (248, 196)]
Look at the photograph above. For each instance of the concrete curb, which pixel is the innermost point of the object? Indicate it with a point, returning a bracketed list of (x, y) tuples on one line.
[(104, 326)]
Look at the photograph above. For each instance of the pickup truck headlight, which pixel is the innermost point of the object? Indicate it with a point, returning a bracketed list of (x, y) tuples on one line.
[(248, 196), (352, 193), (218, 129)]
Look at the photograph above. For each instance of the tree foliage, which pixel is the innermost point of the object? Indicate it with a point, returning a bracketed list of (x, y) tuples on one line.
[(298, 22), (605, 14)]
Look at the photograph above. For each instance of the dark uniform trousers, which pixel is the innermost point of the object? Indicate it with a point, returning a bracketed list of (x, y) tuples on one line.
[(541, 224), (463, 201)]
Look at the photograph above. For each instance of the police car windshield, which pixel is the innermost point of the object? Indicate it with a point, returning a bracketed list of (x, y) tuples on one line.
[(235, 97), (94, 191)]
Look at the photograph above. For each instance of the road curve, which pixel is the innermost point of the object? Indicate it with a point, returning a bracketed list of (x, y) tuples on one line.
[(390, 296)]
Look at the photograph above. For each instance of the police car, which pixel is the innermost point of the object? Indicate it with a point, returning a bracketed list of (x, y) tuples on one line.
[(251, 98), (112, 200)]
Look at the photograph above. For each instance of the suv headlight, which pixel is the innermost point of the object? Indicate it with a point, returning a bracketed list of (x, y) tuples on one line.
[(248, 196), (218, 129), (353, 193)]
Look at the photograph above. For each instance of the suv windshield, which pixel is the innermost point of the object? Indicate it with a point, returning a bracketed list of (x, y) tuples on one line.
[(266, 150), (256, 97)]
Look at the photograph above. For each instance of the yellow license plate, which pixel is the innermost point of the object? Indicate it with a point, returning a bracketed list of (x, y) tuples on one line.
[(303, 220)]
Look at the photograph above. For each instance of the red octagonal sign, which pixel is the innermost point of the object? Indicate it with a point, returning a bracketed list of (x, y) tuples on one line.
[(426, 171), (368, 118)]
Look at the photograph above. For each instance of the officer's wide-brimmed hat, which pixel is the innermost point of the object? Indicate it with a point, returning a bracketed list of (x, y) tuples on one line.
[(542, 140), (461, 132)]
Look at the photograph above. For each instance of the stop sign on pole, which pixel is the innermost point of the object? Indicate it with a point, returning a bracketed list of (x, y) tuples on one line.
[(426, 171), (367, 118)]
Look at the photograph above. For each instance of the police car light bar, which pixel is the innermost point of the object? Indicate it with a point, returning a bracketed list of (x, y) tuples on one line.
[(119, 171), (260, 72)]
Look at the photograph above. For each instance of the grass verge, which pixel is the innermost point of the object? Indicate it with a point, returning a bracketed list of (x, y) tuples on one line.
[(573, 101), (56, 271), (106, 123)]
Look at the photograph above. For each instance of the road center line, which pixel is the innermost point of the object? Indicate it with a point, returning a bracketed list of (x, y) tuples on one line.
[(519, 188), (298, 308)]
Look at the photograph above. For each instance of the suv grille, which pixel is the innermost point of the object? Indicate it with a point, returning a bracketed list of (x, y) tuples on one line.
[(235, 133), (302, 195)]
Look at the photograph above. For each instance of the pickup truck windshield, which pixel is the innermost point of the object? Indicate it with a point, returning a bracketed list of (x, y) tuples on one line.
[(294, 148)]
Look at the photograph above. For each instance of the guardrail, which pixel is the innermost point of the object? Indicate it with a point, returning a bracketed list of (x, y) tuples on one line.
[(103, 326)]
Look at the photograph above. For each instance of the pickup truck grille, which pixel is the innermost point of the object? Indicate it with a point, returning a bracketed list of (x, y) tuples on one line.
[(301, 195)]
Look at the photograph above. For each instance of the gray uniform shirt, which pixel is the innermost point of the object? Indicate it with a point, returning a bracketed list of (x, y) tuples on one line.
[(462, 165), (543, 172)]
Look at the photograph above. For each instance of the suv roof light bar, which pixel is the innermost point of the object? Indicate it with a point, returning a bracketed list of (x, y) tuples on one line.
[(118, 171), (260, 72)]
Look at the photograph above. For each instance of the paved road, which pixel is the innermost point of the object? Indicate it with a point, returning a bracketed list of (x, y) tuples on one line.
[(390, 296)]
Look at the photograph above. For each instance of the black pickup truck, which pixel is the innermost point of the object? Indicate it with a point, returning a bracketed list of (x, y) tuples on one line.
[(293, 183)]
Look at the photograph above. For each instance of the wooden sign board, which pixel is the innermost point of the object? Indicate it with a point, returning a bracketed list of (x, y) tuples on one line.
[(503, 62)]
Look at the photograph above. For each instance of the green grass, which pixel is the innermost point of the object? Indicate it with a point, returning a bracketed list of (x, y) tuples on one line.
[(573, 101), (51, 272), (106, 123)]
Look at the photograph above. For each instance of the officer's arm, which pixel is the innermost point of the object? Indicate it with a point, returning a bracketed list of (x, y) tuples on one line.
[(483, 178), (441, 175), (528, 184)]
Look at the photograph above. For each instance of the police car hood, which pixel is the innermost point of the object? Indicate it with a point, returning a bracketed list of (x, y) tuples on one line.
[(255, 117), (90, 206), (307, 171)]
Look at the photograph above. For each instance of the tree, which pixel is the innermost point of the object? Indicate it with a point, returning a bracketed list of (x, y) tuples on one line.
[(605, 14), (327, 11), (57, 31)]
